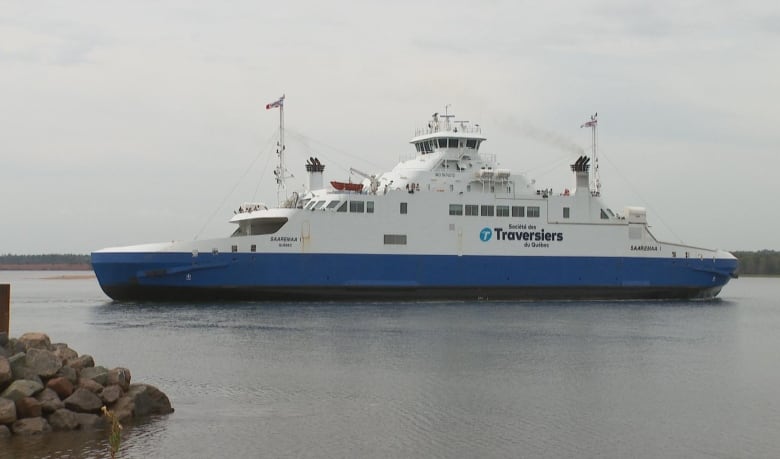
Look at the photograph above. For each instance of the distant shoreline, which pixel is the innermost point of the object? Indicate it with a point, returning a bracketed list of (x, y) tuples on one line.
[(45, 267)]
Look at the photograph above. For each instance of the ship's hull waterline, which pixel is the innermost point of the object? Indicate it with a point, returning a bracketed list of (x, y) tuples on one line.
[(291, 277)]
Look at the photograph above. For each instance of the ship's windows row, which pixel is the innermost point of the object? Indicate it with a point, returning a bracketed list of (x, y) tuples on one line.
[(428, 146), (395, 239), (474, 210), (343, 206)]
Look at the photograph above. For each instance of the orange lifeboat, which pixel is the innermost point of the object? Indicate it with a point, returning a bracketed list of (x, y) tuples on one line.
[(347, 186)]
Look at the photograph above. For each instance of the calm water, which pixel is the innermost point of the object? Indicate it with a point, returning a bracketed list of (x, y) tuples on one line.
[(564, 379)]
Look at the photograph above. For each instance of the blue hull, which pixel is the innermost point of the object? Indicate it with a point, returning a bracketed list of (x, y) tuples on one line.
[(254, 276)]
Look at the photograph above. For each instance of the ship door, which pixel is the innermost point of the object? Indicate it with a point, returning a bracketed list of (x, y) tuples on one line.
[(305, 235)]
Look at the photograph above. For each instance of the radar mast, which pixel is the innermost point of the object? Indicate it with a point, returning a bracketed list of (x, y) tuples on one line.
[(595, 186)]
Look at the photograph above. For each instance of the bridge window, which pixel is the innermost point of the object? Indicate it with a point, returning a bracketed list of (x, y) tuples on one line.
[(533, 211), (487, 211), (502, 211), (342, 207), (471, 143), (318, 205), (518, 211), (332, 205), (442, 143), (472, 209), (456, 209), (453, 143), (604, 215), (266, 225), (370, 207), (356, 206), (565, 212)]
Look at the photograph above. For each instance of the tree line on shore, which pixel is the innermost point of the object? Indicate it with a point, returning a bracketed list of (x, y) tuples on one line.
[(44, 259), (761, 262)]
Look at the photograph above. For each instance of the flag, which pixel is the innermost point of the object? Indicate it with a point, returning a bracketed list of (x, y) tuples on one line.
[(278, 103), (593, 121)]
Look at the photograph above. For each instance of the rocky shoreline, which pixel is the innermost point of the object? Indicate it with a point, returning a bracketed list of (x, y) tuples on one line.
[(45, 387)]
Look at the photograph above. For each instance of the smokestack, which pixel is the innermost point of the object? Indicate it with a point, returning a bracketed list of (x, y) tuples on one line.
[(580, 169), (314, 168)]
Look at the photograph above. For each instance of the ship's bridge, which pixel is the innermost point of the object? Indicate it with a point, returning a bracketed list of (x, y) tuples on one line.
[(453, 138), (448, 159)]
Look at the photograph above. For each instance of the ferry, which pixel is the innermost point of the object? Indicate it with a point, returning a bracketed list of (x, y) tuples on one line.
[(445, 224)]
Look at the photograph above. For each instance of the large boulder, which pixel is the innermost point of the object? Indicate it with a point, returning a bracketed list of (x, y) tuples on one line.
[(98, 374), (28, 407), (6, 375), (142, 400), (20, 369), (119, 376), (83, 401), (50, 401), (61, 386), (64, 419), (21, 388), (35, 340), (111, 394), (62, 351), (81, 362), (90, 385), (7, 411), (30, 426), (69, 373), (17, 362), (43, 362)]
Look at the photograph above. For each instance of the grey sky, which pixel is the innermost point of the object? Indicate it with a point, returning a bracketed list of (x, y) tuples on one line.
[(131, 122)]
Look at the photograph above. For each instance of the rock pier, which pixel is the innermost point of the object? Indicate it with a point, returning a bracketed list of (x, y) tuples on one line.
[(45, 387)]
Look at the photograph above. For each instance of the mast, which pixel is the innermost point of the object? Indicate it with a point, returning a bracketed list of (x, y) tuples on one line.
[(280, 172), (595, 186)]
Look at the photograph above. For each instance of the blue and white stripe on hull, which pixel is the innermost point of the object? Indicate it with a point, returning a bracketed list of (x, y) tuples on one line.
[(256, 276)]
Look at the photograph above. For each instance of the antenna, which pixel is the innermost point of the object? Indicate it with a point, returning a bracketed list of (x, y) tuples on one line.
[(280, 172), (595, 180), (447, 116)]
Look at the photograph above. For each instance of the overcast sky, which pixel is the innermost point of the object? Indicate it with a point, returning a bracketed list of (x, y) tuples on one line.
[(144, 121)]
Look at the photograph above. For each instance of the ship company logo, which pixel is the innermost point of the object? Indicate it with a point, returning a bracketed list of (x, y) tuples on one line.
[(530, 236), (485, 234)]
